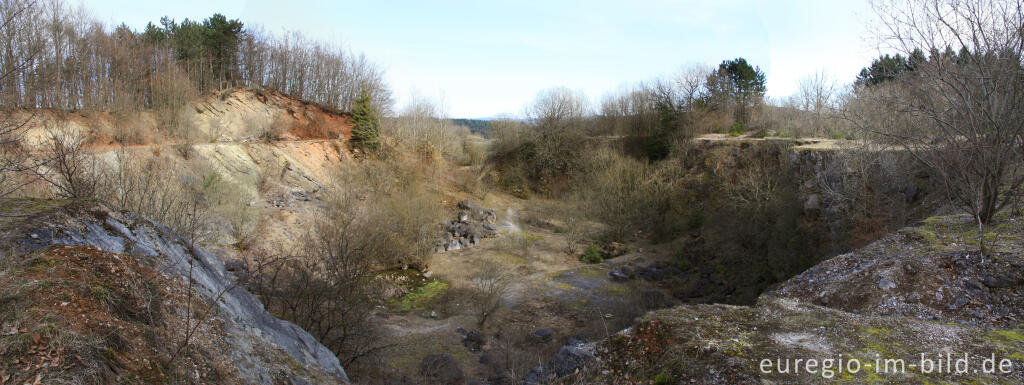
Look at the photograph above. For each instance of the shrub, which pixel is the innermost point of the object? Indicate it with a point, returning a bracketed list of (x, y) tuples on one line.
[(70, 168), (737, 129), (591, 255), (657, 147), (265, 128), (626, 194), (663, 378)]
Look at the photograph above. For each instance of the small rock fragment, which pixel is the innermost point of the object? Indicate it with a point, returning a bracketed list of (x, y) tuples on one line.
[(886, 283)]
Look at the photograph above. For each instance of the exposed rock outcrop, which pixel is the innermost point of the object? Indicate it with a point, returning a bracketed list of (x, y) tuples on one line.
[(248, 328), (909, 297)]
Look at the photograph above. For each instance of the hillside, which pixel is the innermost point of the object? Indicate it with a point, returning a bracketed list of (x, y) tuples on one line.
[(94, 295), (235, 115)]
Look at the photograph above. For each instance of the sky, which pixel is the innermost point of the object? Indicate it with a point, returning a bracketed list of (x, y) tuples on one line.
[(486, 58)]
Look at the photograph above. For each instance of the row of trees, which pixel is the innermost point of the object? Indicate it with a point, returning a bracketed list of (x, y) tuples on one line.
[(54, 56), (956, 111)]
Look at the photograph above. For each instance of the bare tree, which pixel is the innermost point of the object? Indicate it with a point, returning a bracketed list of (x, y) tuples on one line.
[(14, 157), (691, 82), (817, 95), (963, 108)]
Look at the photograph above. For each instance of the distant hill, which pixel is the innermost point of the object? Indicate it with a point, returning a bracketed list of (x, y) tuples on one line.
[(476, 126)]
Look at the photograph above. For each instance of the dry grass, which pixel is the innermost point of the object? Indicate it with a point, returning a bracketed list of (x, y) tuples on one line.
[(92, 317)]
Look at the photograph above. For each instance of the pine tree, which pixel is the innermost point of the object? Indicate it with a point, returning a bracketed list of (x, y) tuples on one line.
[(366, 128)]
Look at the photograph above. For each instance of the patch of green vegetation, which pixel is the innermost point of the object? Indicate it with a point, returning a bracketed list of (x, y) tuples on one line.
[(509, 258), (564, 285), (877, 331), (1007, 335), (663, 378), (417, 299), (591, 255), (877, 340), (924, 235), (101, 294), (736, 129), (1010, 343), (615, 290)]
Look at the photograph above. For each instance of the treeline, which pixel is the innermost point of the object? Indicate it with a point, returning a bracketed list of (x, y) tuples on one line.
[(55, 56), (545, 152), (698, 98)]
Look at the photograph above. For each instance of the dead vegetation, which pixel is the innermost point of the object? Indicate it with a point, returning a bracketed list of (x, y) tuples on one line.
[(92, 317)]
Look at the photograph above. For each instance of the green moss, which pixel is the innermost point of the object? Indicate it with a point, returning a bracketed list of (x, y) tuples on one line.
[(1007, 335), (564, 286), (877, 331), (419, 298), (615, 290), (879, 341)]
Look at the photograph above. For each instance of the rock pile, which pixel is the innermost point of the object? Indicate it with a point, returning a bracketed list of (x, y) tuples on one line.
[(471, 224)]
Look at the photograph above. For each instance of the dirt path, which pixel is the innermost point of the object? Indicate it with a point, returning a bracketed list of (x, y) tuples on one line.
[(801, 143)]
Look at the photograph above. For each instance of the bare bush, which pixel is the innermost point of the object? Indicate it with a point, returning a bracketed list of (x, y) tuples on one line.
[(405, 216), (16, 22), (575, 232), (543, 154), (624, 194), (817, 95), (69, 168), (326, 287), (266, 128), (486, 290), (152, 188), (424, 125)]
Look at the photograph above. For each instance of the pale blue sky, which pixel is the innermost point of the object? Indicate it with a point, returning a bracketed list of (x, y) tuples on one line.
[(490, 57)]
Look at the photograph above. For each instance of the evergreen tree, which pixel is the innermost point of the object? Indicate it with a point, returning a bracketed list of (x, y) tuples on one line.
[(366, 128), (738, 85)]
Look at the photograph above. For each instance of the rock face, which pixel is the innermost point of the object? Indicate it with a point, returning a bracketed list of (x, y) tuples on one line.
[(916, 291), (471, 225), (723, 344), (249, 327), (916, 273)]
